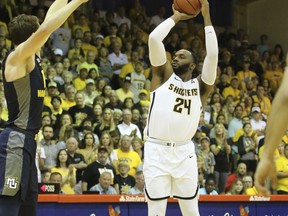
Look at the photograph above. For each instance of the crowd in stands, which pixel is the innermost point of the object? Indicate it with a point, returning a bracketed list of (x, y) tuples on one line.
[(98, 77)]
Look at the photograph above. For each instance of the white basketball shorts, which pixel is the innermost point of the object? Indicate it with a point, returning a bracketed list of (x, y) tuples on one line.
[(170, 170)]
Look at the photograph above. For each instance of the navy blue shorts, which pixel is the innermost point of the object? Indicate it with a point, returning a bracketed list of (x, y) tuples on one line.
[(18, 173)]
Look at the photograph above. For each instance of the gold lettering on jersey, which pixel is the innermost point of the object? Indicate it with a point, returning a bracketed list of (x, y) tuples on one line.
[(41, 93), (183, 92), (43, 77)]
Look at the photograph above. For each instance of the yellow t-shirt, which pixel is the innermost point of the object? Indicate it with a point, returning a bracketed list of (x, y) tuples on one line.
[(126, 69), (243, 76), (66, 104), (107, 41), (282, 166), (66, 188), (265, 104), (133, 159), (240, 132), (252, 191), (230, 91), (276, 153), (122, 95), (275, 78), (79, 84)]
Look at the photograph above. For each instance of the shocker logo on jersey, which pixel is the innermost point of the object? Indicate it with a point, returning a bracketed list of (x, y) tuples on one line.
[(12, 182)]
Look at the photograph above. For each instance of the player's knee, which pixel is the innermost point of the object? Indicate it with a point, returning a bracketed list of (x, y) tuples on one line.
[(157, 208), (189, 207)]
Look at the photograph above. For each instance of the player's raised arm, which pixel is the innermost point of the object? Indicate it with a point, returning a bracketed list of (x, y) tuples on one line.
[(157, 53), (57, 4), (27, 48), (209, 71), (278, 116)]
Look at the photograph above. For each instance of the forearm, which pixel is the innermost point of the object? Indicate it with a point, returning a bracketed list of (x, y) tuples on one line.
[(282, 174), (157, 53), (80, 165), (207, 19), (209, 70), (57, 4), (51, 23), (72, 180), (278, 116)]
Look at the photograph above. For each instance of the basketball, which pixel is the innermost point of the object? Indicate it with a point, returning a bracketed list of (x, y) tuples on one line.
[(191, 7)]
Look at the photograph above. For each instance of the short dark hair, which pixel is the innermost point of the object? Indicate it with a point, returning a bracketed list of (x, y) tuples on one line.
[(56, 97), (22, 27), (55, 174)]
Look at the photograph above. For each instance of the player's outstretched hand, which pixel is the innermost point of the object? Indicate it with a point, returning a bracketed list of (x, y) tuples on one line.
[(182, 16), (265, 169)]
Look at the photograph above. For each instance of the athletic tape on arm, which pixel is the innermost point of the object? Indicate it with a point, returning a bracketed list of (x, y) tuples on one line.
[(157, 53), (209, 70)]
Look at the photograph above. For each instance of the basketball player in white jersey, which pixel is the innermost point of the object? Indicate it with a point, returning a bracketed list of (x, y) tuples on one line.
[(170, 167)]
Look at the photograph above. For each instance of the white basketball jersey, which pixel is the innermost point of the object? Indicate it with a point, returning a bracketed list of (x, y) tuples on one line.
[(175, 110)]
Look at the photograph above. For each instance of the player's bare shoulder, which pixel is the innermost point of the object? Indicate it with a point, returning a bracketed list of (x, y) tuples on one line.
[(16, 69)]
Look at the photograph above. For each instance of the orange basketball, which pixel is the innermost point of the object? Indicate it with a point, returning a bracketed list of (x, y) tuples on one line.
[(192, 7)]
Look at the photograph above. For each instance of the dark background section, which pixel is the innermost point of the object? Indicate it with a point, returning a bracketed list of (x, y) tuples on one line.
[(221, 10)]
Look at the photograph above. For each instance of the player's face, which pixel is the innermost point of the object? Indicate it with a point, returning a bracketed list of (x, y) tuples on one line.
[(182, 62)]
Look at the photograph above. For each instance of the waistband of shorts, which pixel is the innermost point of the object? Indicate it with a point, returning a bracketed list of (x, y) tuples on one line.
[(168, 143), (20, 130)]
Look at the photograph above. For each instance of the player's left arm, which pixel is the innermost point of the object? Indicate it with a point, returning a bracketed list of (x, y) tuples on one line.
[(208, 75)]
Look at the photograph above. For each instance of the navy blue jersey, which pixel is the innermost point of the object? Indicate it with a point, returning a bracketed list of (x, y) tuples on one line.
[(25, 97)]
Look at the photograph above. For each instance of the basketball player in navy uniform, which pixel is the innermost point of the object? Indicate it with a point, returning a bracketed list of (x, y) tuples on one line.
[(170, 166), (266, 169), (24, 88)]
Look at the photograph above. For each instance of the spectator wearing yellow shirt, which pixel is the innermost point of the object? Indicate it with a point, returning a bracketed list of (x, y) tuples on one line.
[(233, 89), (67, 171), (264, 101), (252, 191), (76, 54), (246, 74), (125, 153), (69, 100), (82, 22), (125, 91), (89, 63), (240, 131), (274, 76), (112, 35), (278, 152), (52, 90), (282, 172), (86, 43), (129, 67), (80, 82)]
